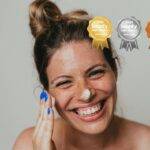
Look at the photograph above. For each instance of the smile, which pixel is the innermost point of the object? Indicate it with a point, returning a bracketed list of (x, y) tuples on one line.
[(90, 113)]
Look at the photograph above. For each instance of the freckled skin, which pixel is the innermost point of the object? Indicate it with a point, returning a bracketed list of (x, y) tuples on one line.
[(109, 132), (73, 59)]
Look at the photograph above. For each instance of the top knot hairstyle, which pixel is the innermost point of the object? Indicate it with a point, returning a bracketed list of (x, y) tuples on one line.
[(51, 29)]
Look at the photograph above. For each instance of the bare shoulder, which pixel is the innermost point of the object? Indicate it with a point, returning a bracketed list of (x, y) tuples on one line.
[(24, 140), (137, 133), (141, 134)]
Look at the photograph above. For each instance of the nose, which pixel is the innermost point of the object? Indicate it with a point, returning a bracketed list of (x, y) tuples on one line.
[(86, 92)]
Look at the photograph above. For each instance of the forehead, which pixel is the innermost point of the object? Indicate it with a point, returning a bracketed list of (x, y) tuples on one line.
[(74, 56)]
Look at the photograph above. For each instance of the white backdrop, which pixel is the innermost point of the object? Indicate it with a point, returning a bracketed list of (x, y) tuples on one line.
[(18, 78)]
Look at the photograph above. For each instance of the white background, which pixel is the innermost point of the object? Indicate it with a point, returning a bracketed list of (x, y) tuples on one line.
[(18, 78)]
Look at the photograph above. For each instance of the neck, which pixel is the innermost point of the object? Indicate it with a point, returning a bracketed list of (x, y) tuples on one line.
[(79, 140)]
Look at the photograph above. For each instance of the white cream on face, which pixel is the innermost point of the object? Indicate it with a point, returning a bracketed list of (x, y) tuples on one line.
[(73, 60), (86, 94)]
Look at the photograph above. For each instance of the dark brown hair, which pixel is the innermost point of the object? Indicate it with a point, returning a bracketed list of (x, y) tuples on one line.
[(51, 29)]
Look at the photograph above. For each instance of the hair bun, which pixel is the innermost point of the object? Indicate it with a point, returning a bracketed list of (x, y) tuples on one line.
[(77, 14), (42, 13)]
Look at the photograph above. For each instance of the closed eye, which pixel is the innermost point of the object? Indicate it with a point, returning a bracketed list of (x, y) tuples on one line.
[(97, 73), (63, 83)]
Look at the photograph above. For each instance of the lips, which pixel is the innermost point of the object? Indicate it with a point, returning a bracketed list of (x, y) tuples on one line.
[(88, 105), (91, 113), (91, 109)]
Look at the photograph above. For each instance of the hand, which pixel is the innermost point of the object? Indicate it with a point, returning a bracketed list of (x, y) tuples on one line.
[(42, 137)]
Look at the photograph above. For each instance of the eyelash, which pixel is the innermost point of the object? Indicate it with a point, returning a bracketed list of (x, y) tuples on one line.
[(97, 72), (93, 73), (63, 83)]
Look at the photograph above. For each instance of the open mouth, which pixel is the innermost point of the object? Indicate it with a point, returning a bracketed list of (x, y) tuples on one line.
[(90, 111)]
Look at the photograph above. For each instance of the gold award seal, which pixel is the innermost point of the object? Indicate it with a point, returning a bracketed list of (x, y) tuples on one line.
[(148, 29), (100, 29)]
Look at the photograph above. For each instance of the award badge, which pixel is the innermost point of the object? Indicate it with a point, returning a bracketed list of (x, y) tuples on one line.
[(148, 30), (100, 29), (128, 30)]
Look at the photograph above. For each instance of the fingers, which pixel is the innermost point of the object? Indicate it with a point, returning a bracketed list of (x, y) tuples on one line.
[(50, 101), (48, 124), (42, 137), (40, 117)]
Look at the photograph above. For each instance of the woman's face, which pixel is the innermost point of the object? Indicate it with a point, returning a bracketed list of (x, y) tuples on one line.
[(77, 66)]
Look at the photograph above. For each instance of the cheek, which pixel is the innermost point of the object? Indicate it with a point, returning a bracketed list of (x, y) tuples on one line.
[(62, 98), (106, 84)]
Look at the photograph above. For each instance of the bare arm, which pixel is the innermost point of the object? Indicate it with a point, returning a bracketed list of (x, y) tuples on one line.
[(24, 140)]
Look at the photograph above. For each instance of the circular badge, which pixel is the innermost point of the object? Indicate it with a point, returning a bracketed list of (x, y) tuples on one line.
[(148, 29), (100, 28), (129, 29)]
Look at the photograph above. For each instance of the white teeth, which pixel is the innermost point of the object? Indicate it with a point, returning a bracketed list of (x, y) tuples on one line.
[(89, 111), (93, 110)]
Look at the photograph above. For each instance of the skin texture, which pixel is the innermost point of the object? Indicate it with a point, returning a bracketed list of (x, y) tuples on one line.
[(108, 132), (75, 59)]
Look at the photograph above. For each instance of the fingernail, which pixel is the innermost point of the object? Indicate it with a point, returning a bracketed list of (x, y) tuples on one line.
[(44, 96), (48, 111)]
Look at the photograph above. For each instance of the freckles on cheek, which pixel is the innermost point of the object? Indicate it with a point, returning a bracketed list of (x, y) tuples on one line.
[(63, 98), (107, 85)]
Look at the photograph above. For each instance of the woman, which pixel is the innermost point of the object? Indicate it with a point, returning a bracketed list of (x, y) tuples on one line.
[(82, 80)]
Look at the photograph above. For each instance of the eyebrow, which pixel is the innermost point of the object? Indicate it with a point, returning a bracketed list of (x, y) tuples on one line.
[(87, 71)]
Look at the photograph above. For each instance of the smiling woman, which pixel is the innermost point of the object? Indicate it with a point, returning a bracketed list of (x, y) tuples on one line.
[(82, 80), (81, 67)]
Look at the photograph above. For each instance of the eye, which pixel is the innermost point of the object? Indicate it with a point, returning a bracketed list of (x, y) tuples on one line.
[(97, 73), (63, 84)]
